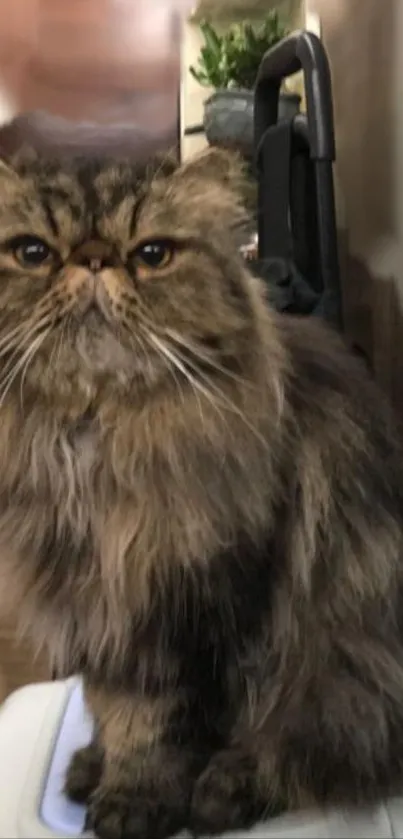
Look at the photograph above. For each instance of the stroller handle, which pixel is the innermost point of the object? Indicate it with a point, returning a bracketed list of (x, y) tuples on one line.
[(300, 51)]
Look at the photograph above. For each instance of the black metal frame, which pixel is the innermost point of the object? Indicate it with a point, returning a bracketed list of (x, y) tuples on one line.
[(314, 140)]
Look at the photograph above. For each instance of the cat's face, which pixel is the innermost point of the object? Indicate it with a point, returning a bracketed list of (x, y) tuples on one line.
[(116, 278)]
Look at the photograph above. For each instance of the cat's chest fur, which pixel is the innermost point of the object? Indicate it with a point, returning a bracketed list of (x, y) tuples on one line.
[(110, 532)]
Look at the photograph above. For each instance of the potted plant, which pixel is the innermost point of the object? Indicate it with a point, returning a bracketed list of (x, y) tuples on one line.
[(229, 63)]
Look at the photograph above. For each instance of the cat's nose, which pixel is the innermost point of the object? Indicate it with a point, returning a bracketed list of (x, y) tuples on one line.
[(94, 255), (82, 287)]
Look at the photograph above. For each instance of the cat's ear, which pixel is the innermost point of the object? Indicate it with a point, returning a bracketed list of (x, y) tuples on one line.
[(5, 167), (13, 165), (162, 165), (25, 156), (219, 165), (7, 171), (214, 183)]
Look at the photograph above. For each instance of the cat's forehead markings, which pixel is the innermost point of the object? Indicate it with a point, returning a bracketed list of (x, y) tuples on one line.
[(62, 204), (116, 224), (119, 192), (114, 184), (63, 221)]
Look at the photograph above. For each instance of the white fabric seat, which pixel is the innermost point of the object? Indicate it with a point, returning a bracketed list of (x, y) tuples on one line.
[(41, 725)]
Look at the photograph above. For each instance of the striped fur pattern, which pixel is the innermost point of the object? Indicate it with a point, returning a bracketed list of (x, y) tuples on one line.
[(201, 506)]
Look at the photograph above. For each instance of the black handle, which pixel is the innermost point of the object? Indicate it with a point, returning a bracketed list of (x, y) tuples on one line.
[(299, 51), (191, 130)]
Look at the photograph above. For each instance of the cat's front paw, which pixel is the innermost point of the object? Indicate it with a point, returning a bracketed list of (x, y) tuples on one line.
[(84, 774), (226, 795), (119, 813)]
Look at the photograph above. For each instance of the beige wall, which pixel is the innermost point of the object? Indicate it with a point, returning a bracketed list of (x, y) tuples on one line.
[(364, 39), (192, 94)]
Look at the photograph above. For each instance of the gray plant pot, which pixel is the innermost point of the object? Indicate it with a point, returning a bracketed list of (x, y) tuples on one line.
[(228, 117)]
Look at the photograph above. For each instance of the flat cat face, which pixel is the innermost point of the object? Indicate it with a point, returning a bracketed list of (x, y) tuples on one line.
[(118, 278)]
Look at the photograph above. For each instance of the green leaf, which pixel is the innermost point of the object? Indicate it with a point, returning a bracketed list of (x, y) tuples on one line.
[(233, 59), (251, 40), (212, 39), (200, 77)]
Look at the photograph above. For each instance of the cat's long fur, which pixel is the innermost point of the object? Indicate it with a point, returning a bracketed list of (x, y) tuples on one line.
[(201, 510)]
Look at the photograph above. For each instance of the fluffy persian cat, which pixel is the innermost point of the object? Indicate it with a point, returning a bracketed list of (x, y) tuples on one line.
[(201, 505)]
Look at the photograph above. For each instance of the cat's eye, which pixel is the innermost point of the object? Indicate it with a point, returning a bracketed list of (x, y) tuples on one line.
[(154, 255), (31, 251)]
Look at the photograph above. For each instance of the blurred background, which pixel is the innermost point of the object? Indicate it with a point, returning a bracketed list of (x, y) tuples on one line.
[(92, 73)]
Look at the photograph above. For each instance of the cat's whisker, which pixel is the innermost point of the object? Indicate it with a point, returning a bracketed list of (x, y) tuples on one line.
[(35, 321), (11, 340), (204, 357), (172, 369), (226, 403), (25, 339), (229, 404), (43, 311), (29, 359), (142, 344), (7, 339), (172, 357), (172, 366), (21, 360), (57, 347), (20, 365), (135, 338), (180, 390), (69, 325)]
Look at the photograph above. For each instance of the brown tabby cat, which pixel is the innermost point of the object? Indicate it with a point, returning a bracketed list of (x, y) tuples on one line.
[(201, 506)]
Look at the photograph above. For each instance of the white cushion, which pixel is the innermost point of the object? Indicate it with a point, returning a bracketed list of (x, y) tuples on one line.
[(31, 769)]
